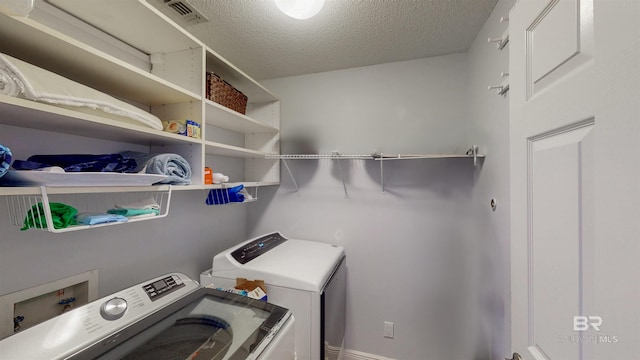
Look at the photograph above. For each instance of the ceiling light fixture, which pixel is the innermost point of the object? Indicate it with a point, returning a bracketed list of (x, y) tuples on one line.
[(300, 9)]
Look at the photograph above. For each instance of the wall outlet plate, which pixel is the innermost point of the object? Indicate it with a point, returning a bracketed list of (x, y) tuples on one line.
[(388, 329)]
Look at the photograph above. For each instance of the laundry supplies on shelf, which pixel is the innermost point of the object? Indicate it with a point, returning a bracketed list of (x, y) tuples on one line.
[(185, 127), (219, 178)]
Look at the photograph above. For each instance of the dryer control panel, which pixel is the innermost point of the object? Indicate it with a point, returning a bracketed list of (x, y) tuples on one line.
[(257, 247)]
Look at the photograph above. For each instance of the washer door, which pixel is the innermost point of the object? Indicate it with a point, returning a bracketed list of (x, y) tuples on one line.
[(188, 338), (207, 324)]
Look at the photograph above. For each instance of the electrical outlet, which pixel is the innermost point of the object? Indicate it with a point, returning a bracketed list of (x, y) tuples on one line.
[(388, 329)]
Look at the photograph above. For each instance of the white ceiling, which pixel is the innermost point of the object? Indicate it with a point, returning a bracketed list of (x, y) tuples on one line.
[(256, 37)]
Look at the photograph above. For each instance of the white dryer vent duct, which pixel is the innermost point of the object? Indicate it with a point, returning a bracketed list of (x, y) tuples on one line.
[(184, 12)]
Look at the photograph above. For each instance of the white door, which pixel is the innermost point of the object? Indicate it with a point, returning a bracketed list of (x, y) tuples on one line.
[(574, 97)]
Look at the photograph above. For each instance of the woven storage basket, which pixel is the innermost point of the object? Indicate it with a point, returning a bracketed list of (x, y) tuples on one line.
[(221, 92)]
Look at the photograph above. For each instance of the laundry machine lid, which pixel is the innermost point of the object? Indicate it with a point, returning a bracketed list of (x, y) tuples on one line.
[(292, 263), (170, 324)]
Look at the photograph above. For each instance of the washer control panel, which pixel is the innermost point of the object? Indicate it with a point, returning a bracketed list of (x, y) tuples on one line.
[(163, 286), (255, 248), (98, 322)]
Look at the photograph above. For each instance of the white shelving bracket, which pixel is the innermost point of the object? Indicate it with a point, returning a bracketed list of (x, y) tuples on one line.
[(286, 166), (382, 174), (473, 151), (337, 156)]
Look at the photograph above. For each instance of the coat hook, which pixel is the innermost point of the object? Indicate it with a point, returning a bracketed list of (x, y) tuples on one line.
[(500, 89)]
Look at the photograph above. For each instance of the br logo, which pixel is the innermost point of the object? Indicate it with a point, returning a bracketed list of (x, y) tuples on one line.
[(583, 323)]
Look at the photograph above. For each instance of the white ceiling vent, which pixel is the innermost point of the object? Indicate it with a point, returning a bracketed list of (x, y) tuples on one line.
[(184, 12)]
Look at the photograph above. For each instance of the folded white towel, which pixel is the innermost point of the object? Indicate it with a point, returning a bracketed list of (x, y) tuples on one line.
[(144, 204), (18, 78), (9, 85)]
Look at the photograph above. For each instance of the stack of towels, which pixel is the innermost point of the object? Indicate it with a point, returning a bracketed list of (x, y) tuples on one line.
[(64, 215)]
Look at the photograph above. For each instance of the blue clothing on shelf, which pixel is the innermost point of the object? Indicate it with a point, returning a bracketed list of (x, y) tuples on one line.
[(5, 159), (99, 218), (78, 163), (225, 196)]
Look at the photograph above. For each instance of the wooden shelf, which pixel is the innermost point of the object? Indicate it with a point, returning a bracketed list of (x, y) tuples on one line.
[(35, 115), (220, 116), (139, 23), (49, 49), (255, 92), (134, 51), (213, 148)]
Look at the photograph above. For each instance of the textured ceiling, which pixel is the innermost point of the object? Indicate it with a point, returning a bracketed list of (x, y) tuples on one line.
[(256, 37)]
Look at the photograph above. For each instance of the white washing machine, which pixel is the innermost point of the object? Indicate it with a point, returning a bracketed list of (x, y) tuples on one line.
[(169, 317), (307, 277)]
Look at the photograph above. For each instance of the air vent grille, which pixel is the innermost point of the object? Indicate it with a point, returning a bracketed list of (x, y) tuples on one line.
[(181, 8), (185, 11)]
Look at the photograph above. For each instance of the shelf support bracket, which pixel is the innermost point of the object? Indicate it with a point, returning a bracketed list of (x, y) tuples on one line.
[(344, 184), (47, 209), (382, 173), (474, 152), (286, 166)]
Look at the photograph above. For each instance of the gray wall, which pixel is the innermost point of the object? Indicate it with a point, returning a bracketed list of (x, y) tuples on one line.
[(489, 128), (409, 250), (429, 254)]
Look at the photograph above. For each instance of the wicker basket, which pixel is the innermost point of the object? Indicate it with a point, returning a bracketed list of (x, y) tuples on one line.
[(221, 92)]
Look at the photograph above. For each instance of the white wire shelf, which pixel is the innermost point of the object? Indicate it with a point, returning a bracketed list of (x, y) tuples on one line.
[(472, 153), (333, 156), (34, 210)]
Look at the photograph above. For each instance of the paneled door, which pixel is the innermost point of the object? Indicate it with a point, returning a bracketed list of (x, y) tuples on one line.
[(574, 98)]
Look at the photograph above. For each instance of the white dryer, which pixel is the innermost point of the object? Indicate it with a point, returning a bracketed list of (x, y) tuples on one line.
[(169, 317), (306, 277)]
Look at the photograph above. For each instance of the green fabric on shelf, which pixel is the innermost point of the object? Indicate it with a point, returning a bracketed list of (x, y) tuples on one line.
[(62, 215)]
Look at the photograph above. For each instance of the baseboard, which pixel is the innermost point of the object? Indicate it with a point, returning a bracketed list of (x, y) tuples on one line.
[(359, 355)]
